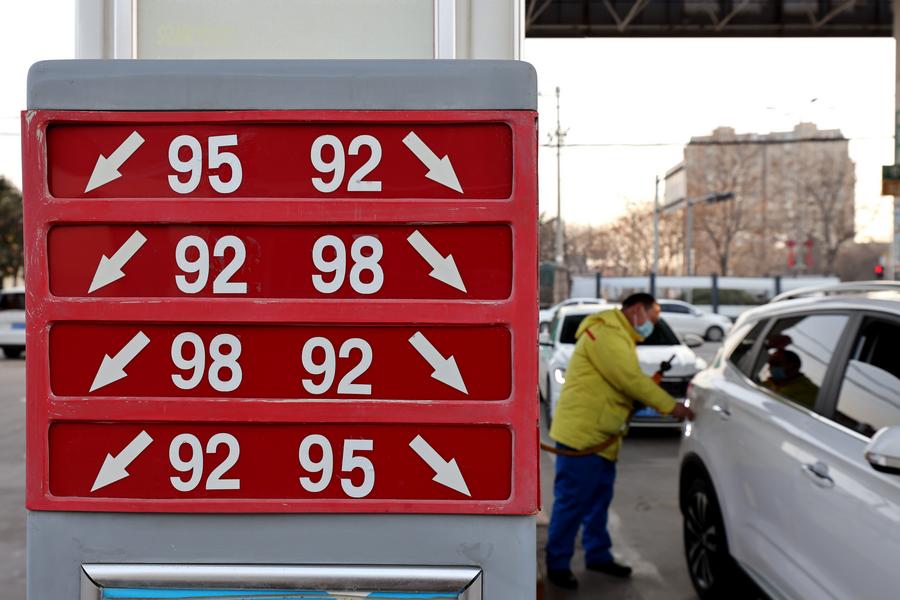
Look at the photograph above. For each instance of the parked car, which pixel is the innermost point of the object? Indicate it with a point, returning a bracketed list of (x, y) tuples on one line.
[(12, 322), (686, 318), (558, 343), (546, 315), (791, 471)]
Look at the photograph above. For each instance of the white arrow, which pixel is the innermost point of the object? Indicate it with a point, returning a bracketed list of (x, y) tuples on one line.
[(110, 268), (442, 269), (445, 369), (113, 468), (107, 169), (445, 473), (439, 169), (113, 369)]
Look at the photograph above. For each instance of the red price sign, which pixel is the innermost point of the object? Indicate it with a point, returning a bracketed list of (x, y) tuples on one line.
[(303, 462), (280, 361), (277, 160), (251, 311), (323, 261)]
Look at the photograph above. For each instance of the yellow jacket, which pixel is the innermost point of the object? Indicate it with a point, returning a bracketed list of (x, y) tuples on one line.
[(603, 380)]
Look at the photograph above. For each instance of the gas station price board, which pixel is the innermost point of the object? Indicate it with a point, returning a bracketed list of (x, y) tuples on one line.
[(281, 311)]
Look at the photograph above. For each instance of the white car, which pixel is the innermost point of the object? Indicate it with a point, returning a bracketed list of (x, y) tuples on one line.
[(546, 315), (686, 318), (791, 471), (558, 343), (12, 322)]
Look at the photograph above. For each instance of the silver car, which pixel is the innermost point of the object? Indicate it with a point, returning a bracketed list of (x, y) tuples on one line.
[(791, 471), (12, 322)]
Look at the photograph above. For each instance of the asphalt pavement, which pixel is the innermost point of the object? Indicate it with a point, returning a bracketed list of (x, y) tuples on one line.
[(644, 522), (12, 478)]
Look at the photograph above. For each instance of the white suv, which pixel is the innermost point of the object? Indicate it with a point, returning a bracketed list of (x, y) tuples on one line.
[(791, 471), (12, 322)]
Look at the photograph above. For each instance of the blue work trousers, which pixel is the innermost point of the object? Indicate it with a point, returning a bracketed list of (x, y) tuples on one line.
[(582, 491)]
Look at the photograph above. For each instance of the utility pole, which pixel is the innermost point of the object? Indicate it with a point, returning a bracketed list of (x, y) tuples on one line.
[(656, 227), (560, 137)]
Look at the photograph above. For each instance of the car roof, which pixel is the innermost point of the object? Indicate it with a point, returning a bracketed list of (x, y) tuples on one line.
[(13, 290), (887, 301), (585, 309)]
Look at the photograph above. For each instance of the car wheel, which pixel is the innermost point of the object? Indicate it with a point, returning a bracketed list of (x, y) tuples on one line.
[(714, 334), (711, 568), (12, 351)]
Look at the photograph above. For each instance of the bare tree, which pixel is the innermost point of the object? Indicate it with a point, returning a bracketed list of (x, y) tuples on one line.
[(730, 172), (827, 190)]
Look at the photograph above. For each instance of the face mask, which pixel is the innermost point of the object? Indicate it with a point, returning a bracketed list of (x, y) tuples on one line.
[(644, 329), (778, 373)]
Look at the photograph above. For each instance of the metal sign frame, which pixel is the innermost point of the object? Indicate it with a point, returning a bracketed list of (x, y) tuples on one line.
[(407, 581)]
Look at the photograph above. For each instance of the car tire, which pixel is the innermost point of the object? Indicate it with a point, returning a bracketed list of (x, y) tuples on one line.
[(12, 351), (714, 334), (713, 572)]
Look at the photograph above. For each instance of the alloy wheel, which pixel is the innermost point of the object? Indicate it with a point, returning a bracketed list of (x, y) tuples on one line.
[(701, 539)]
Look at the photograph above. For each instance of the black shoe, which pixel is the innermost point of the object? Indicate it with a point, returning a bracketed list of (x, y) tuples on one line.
[(611, 568), (563, 579)]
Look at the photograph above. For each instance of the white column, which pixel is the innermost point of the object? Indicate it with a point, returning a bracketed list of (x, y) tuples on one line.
[(894, 251)]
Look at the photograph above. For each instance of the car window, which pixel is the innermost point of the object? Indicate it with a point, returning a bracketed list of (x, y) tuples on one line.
[(662, 336), (798, 352), (740, 355), (569, 328), (554, 323), (674, 308), (12, 301), (870, 392)]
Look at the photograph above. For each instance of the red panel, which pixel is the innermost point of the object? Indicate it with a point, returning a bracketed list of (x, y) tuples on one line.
[(279, 260), (271, 365), (268, 466), (489, 329), (276, 159)]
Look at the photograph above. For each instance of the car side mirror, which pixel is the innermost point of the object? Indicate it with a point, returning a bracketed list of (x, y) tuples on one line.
[(883, 451), (544, 339), (692, 341)]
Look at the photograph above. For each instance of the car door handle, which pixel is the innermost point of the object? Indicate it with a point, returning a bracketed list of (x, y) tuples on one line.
[(818, 474), (722, 411)]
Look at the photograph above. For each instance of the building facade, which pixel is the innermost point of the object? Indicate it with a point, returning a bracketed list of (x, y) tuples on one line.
[(764, 204)]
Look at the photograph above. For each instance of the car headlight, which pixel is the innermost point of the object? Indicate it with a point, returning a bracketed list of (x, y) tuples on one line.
[(559, 375)]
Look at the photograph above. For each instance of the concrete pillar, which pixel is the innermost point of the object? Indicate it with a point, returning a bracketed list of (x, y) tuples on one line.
[(894, 252)]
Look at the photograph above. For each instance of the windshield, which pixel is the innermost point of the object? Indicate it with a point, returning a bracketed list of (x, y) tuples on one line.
[(662, 334)]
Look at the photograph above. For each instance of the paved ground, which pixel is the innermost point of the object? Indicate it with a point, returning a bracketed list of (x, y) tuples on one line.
[(12, 479), (645, 522), (645, 525)]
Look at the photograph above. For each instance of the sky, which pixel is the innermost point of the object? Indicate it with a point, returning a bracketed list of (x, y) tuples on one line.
[(628, 105)]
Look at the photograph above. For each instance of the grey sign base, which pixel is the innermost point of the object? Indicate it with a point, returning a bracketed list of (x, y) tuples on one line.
[(60, 543)]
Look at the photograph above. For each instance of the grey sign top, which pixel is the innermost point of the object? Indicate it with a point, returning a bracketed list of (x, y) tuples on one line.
[(282, 84)]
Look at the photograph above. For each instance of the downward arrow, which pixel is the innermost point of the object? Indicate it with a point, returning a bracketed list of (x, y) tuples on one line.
[(445, 473), (110, 268), (107, 169), (445, 369), (439, 169), (113, 468), (113, 369), (442, 269)]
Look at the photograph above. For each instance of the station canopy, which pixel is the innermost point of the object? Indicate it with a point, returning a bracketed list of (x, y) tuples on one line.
[(709, 18)]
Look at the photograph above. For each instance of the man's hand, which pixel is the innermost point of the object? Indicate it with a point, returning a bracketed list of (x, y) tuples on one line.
[(682, 412)]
